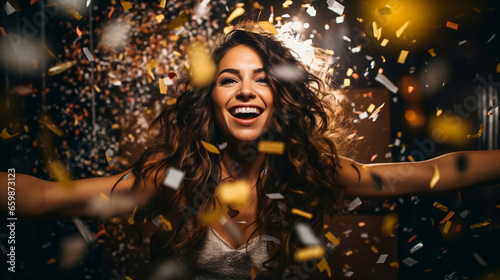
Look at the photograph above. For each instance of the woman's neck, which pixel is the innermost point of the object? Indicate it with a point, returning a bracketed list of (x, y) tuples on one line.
[(242, 161)]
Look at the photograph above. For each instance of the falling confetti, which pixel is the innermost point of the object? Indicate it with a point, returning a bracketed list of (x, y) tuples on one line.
[(324, 266), (163, 87), (209, 147), (435, 177), (299, 212), (386, 82), (201, 65), (234, 192), (335, 6), (417, 247), (270, 238), (402, 56), (54, 70), (447, 226), (162, 4), (174, 178), (447, 217), (382, 258), (432, 52), (78, 32), (5, 135), (410, 262), (126, 5), (75, 14), (131, 217), (332, 238), (271, 147), (440, 206), (452, 25), (479, 225), (275, 196), (305, 254), (478, 134), (178, 21), (355, 203), (72, 250), (402, 29), (253, 272)]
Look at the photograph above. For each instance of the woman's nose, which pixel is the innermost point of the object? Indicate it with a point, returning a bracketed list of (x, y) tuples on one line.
[(246, 90)]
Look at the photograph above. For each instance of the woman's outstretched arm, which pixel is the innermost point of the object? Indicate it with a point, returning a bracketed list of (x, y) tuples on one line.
[(40, 198), (449, 172)]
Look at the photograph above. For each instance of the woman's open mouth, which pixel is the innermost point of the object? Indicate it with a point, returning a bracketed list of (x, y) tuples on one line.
[(245, 113)]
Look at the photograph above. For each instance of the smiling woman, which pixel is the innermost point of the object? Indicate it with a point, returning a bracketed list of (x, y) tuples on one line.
[(265, 222)]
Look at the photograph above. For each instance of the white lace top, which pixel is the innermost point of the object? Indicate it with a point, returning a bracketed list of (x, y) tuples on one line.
[(219, 260)]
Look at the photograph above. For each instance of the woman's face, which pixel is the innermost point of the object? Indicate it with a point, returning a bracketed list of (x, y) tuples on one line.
[(242, 97)]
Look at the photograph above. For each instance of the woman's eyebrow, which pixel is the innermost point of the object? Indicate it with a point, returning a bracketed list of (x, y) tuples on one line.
[(237, 72)]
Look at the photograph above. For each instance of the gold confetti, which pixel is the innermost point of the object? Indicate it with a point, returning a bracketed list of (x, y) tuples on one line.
[(271, 147), (253, 272), (447, 227), (239, 11), (478, 225), (171, 101), (131, 217), (452, 25), (126, 5), (75, 13), (435, 177), (377, 32), (389, 224), (402, 56), (5, 135), (163, 87), (103, 197), (478, 134), (150, 65), (162, 3), (347, 82), (165, 222), (209, 147), (52, 260), (498, 68), (60, 173), (384, 42), (370, 108), (97, 89), (266, 25), (160, 18), (332, 238), (394, 264), (178, 21), (304, 214), (59, 68), (410, 158), (447, 217), (234, 192), (323, 265), (201, 64), (287, 4), (439, 112), (402, 29), (313, 252), (440, 206), (432, 52), (374, 249)]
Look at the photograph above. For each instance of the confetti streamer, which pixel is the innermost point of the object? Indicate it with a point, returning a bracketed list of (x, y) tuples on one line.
[(479, 225), (78, 32), (386, 82), (234, 192), (478, 134), (447, 217), (355, 203), (335, 6), (174, 178), (305, 254), (417, 247), (54, 70), (382, 258), (5, 135), (402, 56), (253, 272), (452, 25), (324, 266), (75, 14), (440, 206), (126, 5), (111, 11), (299, 212), (275, 196), (177, 22), (435, 177), (165, 222), (209, 147), (332, 238), (402, 29), (375, 113), (271, 147)]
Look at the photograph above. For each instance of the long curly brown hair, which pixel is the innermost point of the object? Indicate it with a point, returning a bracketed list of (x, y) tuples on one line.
[(305, 174)]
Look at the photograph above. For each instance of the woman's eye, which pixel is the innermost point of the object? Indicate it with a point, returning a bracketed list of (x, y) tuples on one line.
[(228, 81), (263, 80)]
